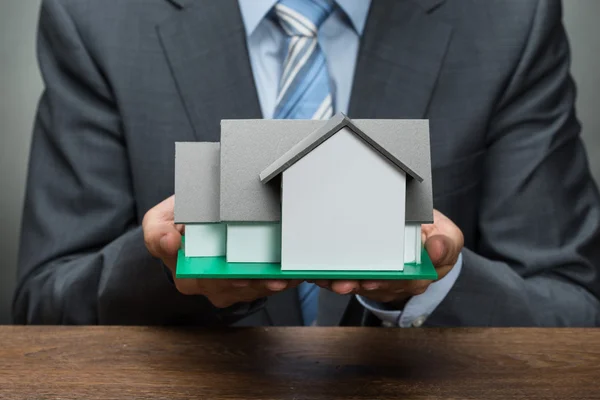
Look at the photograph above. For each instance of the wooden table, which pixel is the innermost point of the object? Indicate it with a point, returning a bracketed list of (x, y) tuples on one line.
[(298, 363)]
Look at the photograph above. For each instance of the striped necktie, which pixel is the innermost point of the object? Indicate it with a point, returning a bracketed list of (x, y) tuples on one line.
[(304, 88)]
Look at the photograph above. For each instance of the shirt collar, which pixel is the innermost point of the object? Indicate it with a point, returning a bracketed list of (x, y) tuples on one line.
[(253, 12), (357, 12)]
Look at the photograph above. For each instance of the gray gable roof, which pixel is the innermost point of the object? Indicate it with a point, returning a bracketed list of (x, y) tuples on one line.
[(249, 147), (310, 142), (197, 168)]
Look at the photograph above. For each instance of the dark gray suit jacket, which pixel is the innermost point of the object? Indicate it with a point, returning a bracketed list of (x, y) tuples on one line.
[(127, 78)]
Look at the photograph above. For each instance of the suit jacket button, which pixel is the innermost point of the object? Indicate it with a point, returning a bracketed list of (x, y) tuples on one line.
[(419, 321)]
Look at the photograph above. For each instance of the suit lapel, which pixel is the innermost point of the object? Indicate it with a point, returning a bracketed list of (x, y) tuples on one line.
[(402, 51), (181, 3), (400, 57), (205, 45)]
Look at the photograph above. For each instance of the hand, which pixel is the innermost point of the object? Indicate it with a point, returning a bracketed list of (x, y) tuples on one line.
[(163, 240), (443, 241)]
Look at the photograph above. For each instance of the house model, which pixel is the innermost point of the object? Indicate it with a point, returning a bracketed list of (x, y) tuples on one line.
[(305, 198)]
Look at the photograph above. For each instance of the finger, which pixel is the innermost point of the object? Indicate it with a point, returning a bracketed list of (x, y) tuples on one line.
[(213, 288), (344, 286), (262, 289), (323, 283), (397, 292), (166, 209), (441, 250), (239, 283), (378, 296), (269, 285), (372, 285), (218, 291), (417, 287), (158, 223), (224, 293), (427, 230), (190, 287), (257, 289), (392, 286), (385, 296), (169, 245), (276, 285), (443, 225), (154, 230)]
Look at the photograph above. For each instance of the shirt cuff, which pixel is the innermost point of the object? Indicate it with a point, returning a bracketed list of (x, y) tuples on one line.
[(419, 307)]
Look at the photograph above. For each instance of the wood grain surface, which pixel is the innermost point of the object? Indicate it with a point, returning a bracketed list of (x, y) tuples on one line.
[(298, 363)]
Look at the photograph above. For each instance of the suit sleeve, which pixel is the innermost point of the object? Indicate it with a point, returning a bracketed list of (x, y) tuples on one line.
[(82, 257), (537, 261)]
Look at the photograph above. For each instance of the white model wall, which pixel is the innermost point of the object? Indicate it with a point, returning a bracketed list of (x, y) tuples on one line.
[(343, 208)]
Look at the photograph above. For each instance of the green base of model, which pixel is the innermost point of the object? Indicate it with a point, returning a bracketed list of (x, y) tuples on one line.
[(219, 268)]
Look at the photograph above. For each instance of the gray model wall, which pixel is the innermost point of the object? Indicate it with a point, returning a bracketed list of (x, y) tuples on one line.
[(20, 87)]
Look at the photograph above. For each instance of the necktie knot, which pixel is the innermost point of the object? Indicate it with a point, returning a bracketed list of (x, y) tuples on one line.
[(302, 17)]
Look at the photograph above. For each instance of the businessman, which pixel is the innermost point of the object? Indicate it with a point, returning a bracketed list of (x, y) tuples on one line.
[(516, 233)]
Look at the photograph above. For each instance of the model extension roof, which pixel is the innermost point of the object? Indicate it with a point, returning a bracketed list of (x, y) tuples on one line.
[(227, 183)]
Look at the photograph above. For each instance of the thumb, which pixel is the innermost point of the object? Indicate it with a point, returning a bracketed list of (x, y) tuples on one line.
[(441, 250), (169, 245)]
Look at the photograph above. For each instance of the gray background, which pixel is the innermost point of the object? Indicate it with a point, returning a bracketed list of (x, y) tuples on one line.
[(20, 86)]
